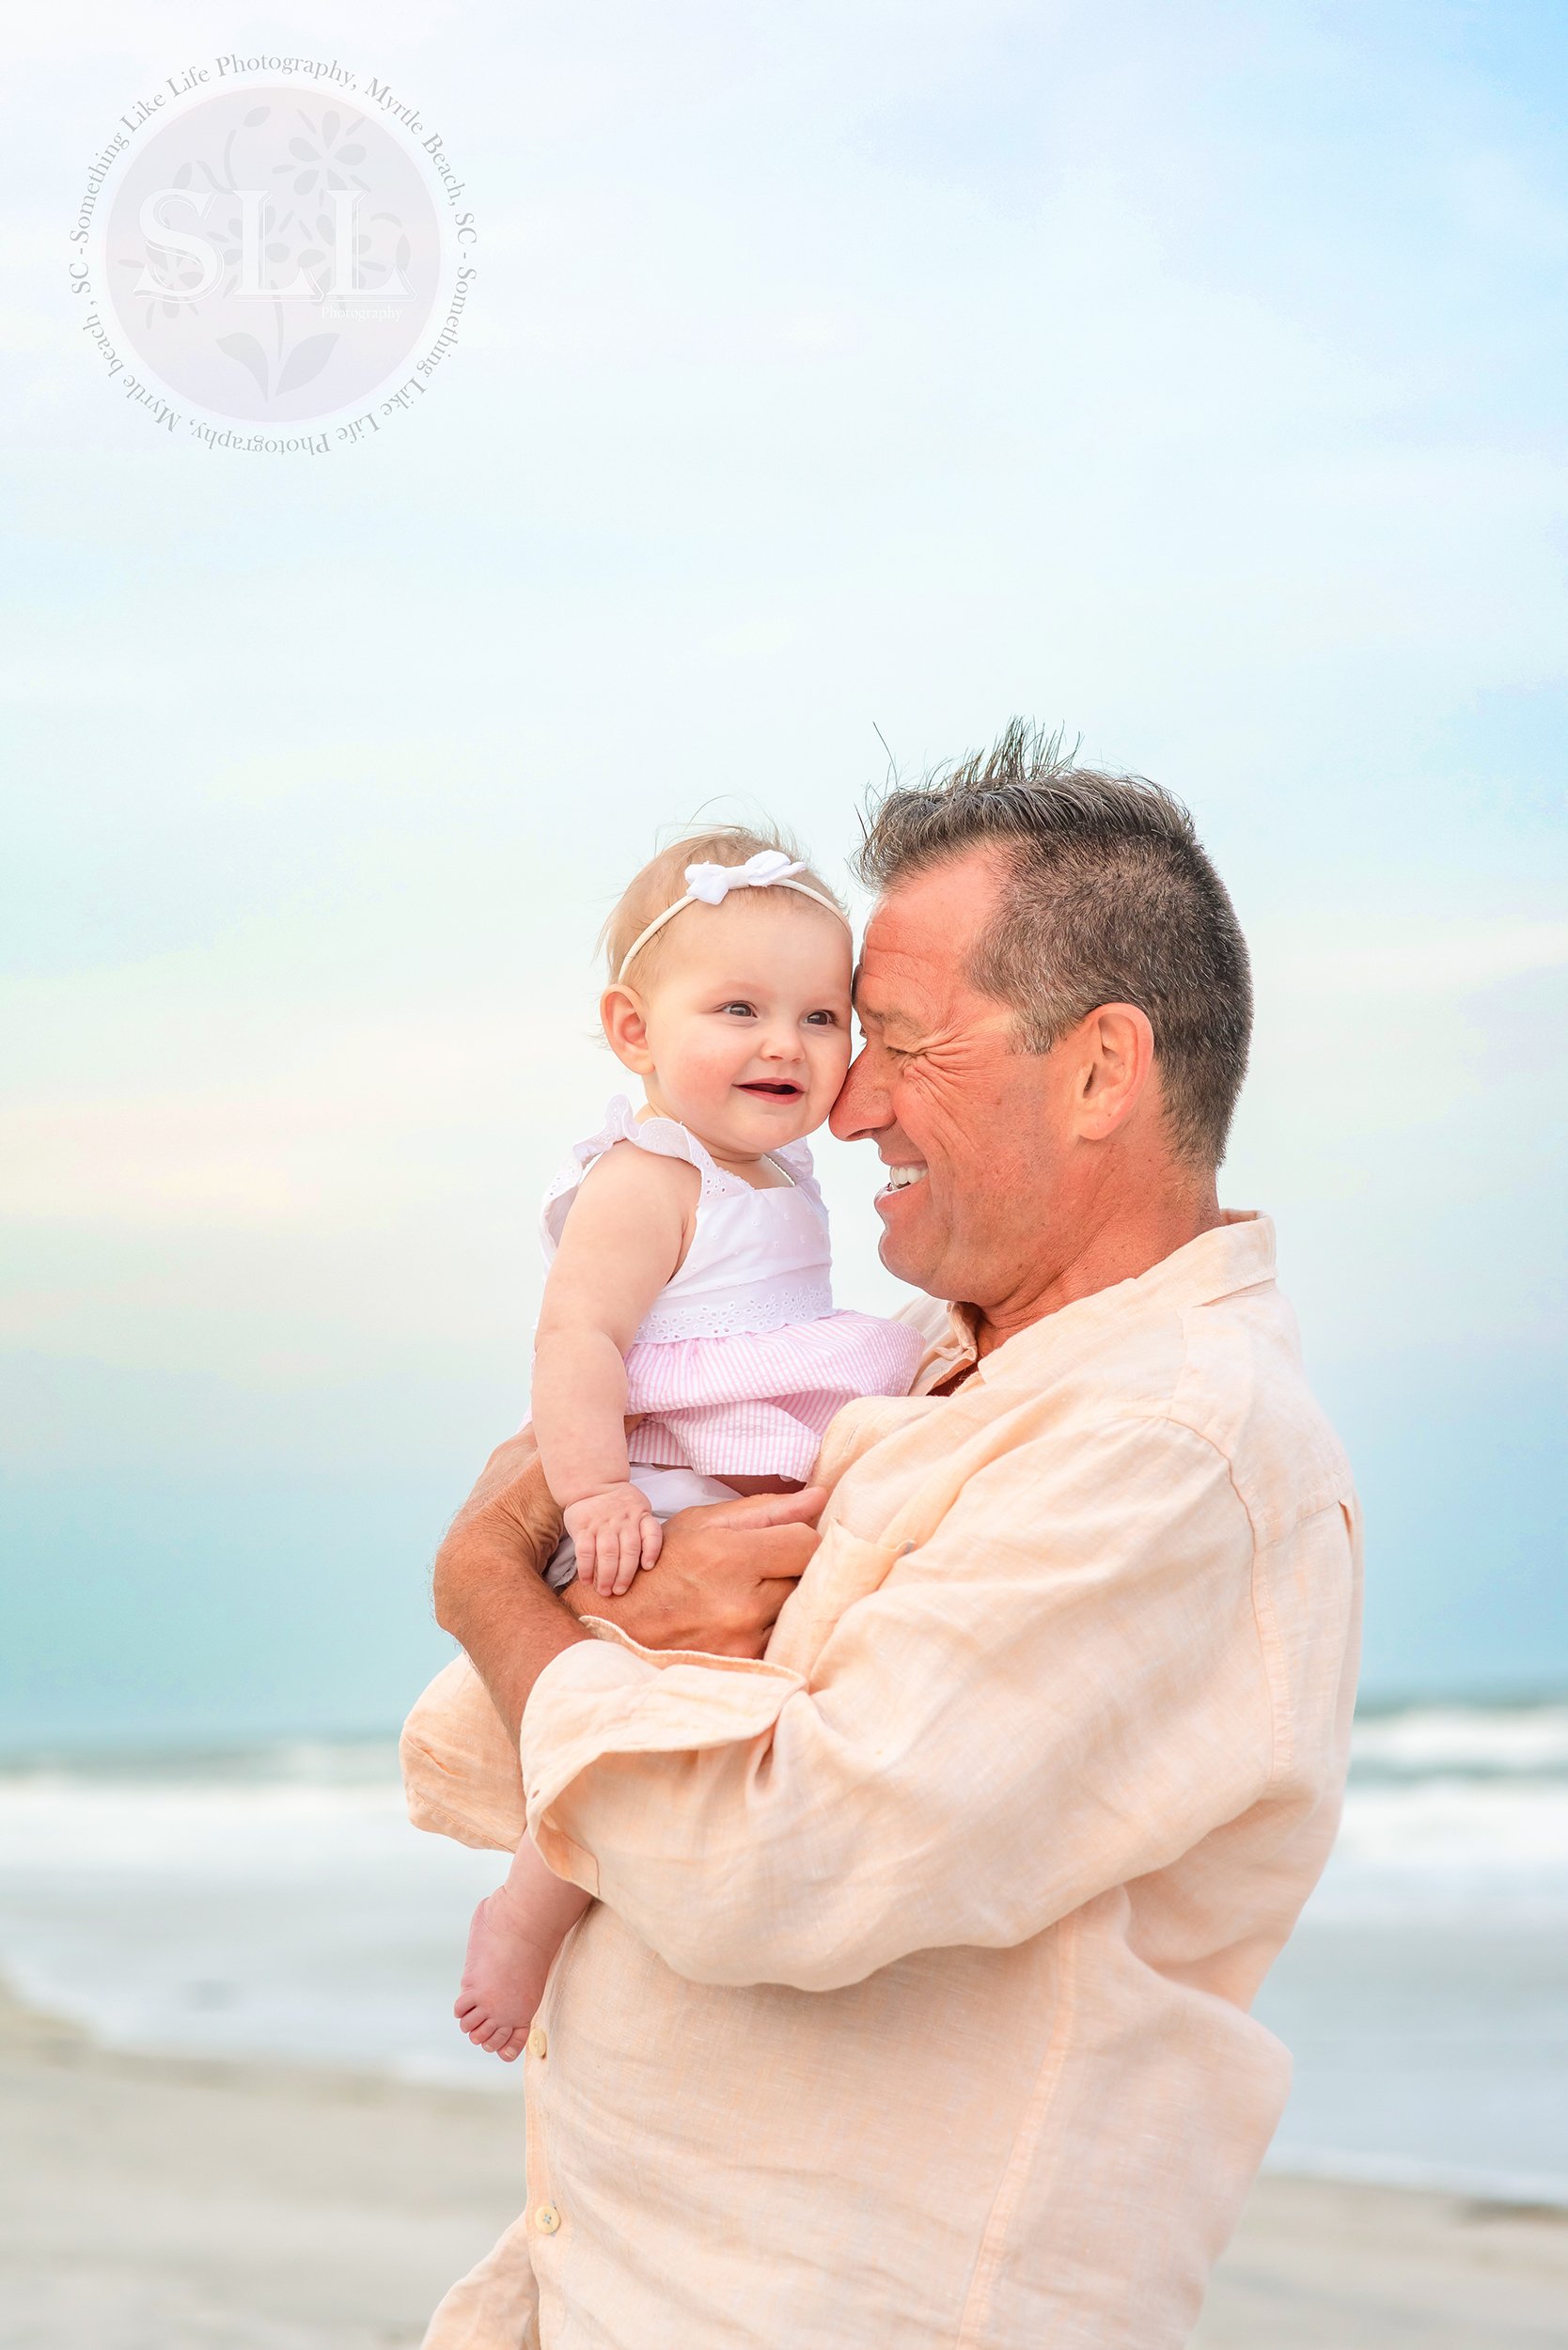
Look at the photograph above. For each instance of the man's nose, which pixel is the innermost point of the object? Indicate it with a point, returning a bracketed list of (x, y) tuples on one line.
[(862, 1108)]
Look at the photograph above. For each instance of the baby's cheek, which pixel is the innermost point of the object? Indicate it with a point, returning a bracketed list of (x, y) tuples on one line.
[(694, 1052), (831, 1058), (717, 1059), (708, 1069)]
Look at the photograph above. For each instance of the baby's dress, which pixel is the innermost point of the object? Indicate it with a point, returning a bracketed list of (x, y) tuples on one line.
[(743, 1359)]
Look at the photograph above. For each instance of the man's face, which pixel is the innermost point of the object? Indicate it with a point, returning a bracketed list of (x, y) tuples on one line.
[(973, 1132)]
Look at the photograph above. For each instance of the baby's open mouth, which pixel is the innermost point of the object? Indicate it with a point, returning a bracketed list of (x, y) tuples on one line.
[(775, 1090)]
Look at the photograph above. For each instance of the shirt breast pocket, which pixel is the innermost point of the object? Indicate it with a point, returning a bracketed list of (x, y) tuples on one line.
[(846, 1568)]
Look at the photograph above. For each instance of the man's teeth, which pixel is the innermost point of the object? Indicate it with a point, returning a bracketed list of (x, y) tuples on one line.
[(899, 1178)]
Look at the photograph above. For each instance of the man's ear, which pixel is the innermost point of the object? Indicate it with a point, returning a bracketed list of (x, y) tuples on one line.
[(625, 1025), (1116, 1064)]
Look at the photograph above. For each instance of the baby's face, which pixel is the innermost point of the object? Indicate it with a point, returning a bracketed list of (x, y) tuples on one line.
[(746, 1021)]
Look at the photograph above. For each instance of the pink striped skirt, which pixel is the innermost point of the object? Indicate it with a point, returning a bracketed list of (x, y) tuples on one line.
[(758, 1404)]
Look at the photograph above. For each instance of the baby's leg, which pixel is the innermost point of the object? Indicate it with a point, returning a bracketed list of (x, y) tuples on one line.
[(513, 1942)]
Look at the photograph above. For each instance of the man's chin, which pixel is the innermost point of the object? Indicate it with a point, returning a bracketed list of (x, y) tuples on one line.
[(903, 1262)]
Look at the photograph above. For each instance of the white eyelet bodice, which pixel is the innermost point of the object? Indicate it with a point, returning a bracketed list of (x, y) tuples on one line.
[(743, 1359), (758, 1260)]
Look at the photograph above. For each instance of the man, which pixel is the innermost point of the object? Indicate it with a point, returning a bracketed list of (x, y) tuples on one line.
[(913, 2009)]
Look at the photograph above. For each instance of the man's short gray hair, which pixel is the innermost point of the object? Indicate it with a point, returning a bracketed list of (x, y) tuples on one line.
[(1109, 898)]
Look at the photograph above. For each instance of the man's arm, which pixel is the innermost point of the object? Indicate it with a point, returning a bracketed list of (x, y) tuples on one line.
[(723, 1575), (488, 1585), (1061, 1689)]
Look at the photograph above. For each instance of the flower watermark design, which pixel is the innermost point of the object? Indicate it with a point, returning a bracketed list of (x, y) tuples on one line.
[(273, 255)]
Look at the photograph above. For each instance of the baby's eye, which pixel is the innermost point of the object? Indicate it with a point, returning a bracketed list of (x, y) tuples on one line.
[(822, 1020), (745, 1011)]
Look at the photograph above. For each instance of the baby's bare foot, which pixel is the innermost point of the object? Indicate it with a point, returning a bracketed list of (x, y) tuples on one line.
[(502, 1977)]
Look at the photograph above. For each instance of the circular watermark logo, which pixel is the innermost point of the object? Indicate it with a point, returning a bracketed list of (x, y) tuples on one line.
[(265, 245)]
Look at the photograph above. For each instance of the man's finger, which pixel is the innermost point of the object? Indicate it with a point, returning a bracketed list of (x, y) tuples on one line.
[(784, 1552), (802, 1509)]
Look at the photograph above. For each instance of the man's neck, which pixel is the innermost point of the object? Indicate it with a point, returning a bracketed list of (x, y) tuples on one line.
[(1118, 1246)]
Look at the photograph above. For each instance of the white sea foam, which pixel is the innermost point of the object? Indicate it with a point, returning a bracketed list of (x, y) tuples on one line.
[(1454, 1738), (60, 1823), (299, 1916), (222, 1907), (1438, 1846)]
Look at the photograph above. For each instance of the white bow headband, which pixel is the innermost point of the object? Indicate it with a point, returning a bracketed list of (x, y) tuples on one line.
[(709, 885)]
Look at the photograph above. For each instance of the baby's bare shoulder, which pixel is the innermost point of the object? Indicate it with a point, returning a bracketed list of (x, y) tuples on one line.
[(626, 1171), (630, 1208)]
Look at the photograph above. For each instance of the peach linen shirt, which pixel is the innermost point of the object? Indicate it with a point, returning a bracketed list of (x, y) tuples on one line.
[(915, 2008)]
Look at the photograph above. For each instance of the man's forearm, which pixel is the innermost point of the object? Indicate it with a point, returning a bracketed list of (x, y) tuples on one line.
[(490, 1595)]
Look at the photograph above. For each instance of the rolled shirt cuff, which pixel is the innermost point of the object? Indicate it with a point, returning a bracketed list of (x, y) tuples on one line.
[(609, 1695)]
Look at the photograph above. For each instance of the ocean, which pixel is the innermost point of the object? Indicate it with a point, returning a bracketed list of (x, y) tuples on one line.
[(274, 1904)]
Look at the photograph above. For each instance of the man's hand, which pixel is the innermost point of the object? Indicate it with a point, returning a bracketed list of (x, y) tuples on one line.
[(725, 1572)]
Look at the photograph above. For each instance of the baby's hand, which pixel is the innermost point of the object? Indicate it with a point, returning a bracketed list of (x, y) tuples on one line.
[(615, 1533)]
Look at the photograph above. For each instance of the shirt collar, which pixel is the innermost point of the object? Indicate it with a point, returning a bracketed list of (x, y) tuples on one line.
[(1237, 1254)]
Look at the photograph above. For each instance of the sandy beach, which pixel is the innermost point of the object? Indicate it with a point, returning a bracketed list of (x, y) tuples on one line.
[(158, 2204)]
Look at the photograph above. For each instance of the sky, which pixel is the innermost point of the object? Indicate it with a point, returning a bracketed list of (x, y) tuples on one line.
[(1188, 379)]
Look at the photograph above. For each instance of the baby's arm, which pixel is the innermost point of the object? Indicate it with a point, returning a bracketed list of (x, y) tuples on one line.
[(625, 1235)]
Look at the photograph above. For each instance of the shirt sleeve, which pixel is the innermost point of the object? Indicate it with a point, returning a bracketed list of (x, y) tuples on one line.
[(1061, 1690)]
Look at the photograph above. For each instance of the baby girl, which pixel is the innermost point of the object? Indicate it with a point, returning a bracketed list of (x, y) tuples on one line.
[(689, 1272)]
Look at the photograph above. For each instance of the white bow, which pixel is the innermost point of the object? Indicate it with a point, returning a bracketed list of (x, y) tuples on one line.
[(712, 883), (709, 885)]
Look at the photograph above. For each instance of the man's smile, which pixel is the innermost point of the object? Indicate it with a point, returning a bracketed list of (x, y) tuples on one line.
[(899, 1179)]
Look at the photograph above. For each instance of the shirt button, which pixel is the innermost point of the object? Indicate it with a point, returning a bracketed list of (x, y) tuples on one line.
[(538, 2045), (547, 2218)]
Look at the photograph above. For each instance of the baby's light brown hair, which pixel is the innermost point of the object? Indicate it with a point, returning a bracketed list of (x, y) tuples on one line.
[(662, 882)]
